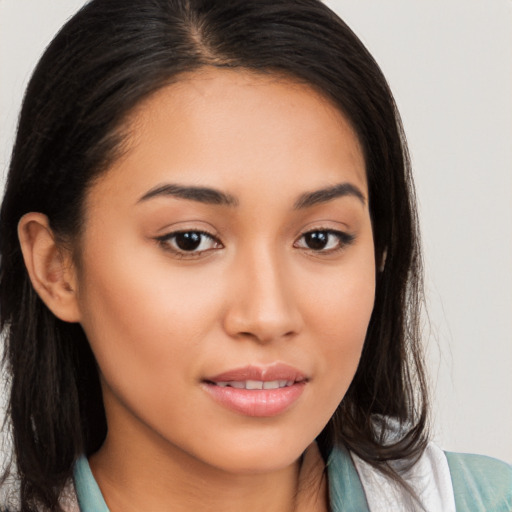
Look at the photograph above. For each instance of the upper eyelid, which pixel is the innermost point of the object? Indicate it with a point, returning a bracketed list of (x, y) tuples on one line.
[(178, 225), (336, 232), (171, 234)]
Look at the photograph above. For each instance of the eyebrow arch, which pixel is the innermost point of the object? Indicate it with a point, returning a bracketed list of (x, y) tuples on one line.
[(328, 194), (205, 195)]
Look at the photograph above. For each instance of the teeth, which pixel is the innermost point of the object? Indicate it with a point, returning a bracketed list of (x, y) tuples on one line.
[(256, 384)]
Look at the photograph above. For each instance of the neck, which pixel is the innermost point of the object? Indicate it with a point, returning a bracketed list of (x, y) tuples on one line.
[(143, 478)]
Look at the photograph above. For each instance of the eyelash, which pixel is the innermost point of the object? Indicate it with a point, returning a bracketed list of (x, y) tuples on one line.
[(344, 239), (168, 240)]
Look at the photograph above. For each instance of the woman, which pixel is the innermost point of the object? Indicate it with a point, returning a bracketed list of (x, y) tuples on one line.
[(211, 273)]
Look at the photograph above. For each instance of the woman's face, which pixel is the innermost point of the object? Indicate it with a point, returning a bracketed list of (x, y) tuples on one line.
[(230, 248)]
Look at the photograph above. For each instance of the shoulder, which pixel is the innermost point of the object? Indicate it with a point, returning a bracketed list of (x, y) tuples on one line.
[(480, 483), (440, 480)]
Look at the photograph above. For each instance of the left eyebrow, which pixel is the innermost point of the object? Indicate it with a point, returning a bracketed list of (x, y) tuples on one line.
[(328, 194), (205, 195)]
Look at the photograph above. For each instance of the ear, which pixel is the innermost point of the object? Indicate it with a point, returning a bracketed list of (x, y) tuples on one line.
[(49, 266)]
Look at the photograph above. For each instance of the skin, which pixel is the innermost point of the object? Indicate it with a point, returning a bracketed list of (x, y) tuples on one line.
[(160, 321)]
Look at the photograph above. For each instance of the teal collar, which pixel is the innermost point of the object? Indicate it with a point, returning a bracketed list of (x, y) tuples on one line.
[(88, 493), (345, 490)]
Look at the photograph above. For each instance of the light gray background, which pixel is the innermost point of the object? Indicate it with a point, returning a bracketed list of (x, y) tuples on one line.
[(449, 64)]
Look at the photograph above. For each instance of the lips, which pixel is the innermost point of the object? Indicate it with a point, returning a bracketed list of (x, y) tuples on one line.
[(257, 391)]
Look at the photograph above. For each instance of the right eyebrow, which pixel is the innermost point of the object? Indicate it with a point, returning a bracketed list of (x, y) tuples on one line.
[(205, 195), (328, 194)]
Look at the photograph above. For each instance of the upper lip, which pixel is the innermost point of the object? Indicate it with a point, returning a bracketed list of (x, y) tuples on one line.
[(276, 371)]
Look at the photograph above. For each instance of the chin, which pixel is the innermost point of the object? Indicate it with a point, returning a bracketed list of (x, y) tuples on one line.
[(262, 454)]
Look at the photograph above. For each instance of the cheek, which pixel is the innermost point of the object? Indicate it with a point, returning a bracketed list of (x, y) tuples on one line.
[(339, 312), (139, 315)]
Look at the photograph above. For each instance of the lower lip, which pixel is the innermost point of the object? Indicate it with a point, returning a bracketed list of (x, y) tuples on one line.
[(263, 403)]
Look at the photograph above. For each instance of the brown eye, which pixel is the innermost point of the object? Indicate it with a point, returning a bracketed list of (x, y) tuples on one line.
[(324, 240), (188, 241), (316, 240), (192, 242)]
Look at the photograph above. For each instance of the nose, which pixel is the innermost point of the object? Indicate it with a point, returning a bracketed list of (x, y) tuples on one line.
[(263, 304)]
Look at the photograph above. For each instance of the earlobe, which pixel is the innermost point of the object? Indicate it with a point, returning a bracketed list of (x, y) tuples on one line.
[(49, 266)]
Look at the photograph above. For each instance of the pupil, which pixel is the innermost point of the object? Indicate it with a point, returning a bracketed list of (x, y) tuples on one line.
[(317, 240), (188, 241)]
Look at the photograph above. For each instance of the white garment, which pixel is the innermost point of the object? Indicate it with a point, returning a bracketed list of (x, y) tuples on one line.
[(429, 478)]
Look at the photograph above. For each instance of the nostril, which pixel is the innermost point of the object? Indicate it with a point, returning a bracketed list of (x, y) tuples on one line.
[(246, 334)]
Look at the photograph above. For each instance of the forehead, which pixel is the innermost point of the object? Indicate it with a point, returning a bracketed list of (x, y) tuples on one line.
[(223, 127)]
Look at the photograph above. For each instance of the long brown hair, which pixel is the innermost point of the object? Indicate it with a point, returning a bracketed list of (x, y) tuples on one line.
[(109, 57)]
